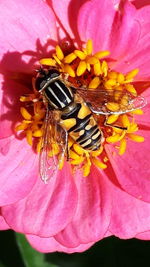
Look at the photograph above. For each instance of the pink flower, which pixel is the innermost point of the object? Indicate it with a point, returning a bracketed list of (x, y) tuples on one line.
[(71, 213)]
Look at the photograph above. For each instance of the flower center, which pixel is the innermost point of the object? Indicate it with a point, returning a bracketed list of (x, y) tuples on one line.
[(91, 72)]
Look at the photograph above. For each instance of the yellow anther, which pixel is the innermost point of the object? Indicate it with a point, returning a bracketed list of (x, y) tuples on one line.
[(117, 130), (123, 145), (25, 98), (112, 106), (94, 83), (97, 152), (37, 133), (21, 127), (89, 47), (130, 75), (120, 78), (81, 68), (130, 88), (48, 62), (133, 128), (104, 67), (39, 144), (29, 137), (99, 164), (112, 75), (68, 69), (73, 155), (57, 59), (92, 60), (69, 58), (88, 67), (86, 170), (80, 54), (110, 83), (124, 101), (78, 149), (114, 138), (137, 112), (25, 114), (97, 69), (77, 161), (125, 121), (102, 54), (136, 138), (59, 52), (112, 118)]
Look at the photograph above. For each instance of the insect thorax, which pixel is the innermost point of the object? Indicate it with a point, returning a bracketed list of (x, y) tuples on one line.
[(59, 95)]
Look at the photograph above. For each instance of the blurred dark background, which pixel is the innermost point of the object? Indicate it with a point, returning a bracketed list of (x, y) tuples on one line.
[(110, 252)]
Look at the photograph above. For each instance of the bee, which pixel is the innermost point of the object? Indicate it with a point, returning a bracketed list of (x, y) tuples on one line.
[(70, 112)]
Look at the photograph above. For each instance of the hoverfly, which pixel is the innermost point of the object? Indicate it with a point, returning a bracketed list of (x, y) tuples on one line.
[(70, 112)]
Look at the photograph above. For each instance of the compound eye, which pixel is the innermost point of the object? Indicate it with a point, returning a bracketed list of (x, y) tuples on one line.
[(40, 82)]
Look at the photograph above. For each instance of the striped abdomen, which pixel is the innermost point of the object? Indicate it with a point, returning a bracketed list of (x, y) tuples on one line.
[(82, 127)]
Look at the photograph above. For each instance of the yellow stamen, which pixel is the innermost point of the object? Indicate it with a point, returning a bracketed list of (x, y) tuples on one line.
[(137, 112), (136, 138), (68, 69), (38, 133), (78, 149), (130, 75), (25, 114), (125, 121), (112, 106), (92, 60), (112, 118), (110, 83), (97, 152), (123, 145), (97, 69), (81, 68), (89, 47), (59, 52), (102, 54), (94, 83), (120, 78), (104, 68), (21, 127), (29, 137), (68, 59), (80, 54), (130, 88), (48, 62), (112, 75), (99, 164)]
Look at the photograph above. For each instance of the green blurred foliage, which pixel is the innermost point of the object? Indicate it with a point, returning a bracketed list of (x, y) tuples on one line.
[(110, 252)]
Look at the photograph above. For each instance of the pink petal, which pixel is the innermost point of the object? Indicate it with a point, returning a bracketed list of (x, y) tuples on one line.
[(144, 235), (46, 245), (3, 224), (67, 12), (10, 106), (139, 3), (132, 169), (29, 26), (18, 169), (93, 212), (95, 22), (135, 38), (47, 209), (130, 216)]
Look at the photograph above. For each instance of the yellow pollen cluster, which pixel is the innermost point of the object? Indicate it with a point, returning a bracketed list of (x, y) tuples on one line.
[(32, 123), (117, 129)]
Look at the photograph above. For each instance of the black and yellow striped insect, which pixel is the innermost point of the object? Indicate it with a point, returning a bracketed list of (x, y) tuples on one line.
[(70, 112)]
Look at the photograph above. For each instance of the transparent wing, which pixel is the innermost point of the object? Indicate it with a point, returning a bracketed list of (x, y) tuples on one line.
[(107, 102), (52, 147)]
